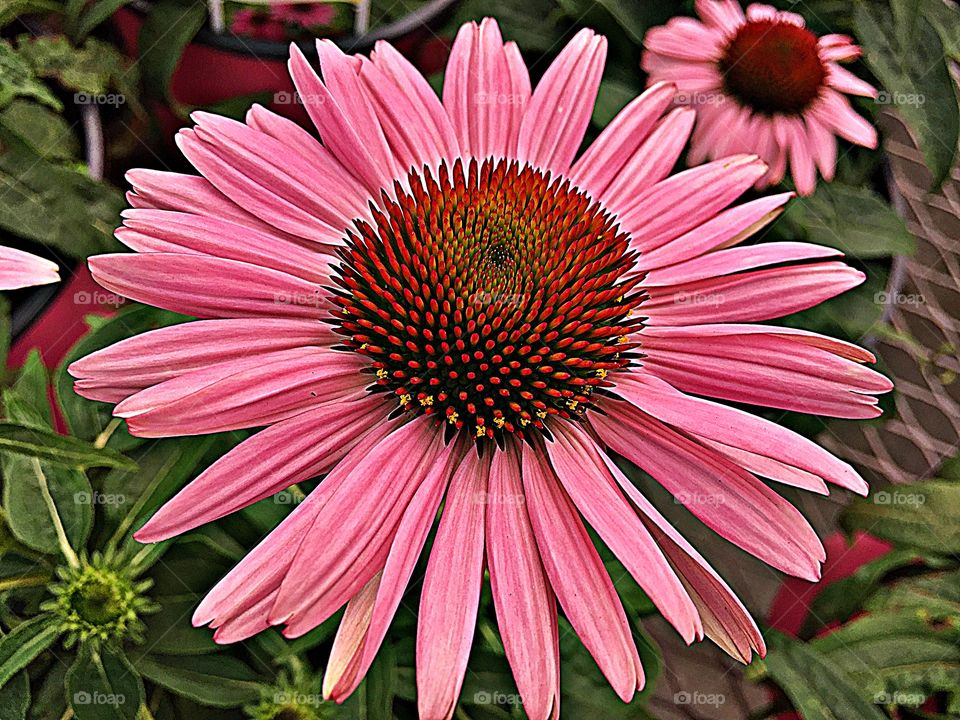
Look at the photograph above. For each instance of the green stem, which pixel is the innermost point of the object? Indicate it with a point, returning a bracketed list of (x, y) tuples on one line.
[(24, 582), (65, 547), (103, 438)]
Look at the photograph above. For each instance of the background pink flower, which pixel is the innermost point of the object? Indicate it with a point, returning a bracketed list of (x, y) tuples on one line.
[(762, 83)]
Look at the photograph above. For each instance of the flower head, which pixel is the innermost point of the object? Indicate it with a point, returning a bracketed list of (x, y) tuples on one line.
[(19, 269), (761, 82), (440, 304)]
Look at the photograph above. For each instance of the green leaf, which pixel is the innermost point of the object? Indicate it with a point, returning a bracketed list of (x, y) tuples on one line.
[(894, 659), (167, 30), (46, 132), (852, 219), (925, 516), (612, 97), (631, 16), (54, 205), (93, 68), (17, 79), (15, 697), (916, 79), (932, 597), (817, 688), (532, 24), (103, 685), (95, 13), (29, 392), (58, 449), (169, 631), (20, 646), (216, 680), (28, 513)]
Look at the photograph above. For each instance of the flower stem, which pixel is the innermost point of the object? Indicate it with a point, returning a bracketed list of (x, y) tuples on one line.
[(65, 547)]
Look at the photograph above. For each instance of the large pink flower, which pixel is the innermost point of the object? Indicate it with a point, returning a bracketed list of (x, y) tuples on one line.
[(19, 269), (762, 83), (441, 304)]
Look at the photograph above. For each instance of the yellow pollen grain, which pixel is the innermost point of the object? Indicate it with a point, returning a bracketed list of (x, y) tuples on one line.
[(425, 401), (622, 339), (601, 373), (365, 346), (572, 404), (405, 399), (481, 431), (381, 373), (524, 422), (453, 417), (541, 414), (499, 422)]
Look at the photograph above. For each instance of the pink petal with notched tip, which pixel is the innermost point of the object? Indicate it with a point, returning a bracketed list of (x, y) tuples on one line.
[(158, 355), (750, 296), (726, 498), (601, 163), (560, 108), (724, 15), (283, 454), (834, 111), (524, 602), (451, 590), (735, 428), (577, 463), (208, 287), (392, 581), (686, 39), (255, 390), (725, 620), (332, 567), (578, 576)]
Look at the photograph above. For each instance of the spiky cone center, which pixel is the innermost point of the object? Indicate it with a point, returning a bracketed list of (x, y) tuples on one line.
[(99, 602), (773, 67), (490, 295)]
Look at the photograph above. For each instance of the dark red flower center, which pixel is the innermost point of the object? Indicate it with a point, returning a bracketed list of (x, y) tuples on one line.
[(773, 67), (490, 295)]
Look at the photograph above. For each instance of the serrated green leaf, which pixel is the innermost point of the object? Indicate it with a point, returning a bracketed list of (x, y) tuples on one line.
[(54, 205), (20, 646), (28, 513), (58, 449), (93, 68), (103, 685), (917, 72), (852, 219), (30, 390), (17, 79), (46, 132), (215, 680), (817, 688), (925, 516)]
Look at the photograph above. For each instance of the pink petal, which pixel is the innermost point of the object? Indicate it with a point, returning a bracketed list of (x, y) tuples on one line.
[(283, 454), (525, 605), (20, 269), (834, 111), (560, 109), (579, 578), (241, 393), (725, 15), (159, 355), (724, 497), (577, 463), (846, 82), (451, 590), (604, 159), (686, 39), (208, 287)]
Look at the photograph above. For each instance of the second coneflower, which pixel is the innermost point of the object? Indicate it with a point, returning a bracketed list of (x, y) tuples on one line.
[(762, 83), (441, 305)]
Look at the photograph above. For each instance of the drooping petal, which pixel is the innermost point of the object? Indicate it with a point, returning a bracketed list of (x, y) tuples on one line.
[(19, 269), (451, 591), (525, 604), (579, 578)]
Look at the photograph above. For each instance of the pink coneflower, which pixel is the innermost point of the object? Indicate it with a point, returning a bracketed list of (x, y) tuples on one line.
[(305, 15), (442, 305), (19, 269), (762, 83), (259, 23)]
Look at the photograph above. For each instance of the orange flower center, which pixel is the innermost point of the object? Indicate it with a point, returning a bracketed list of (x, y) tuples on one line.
[(491, 297)]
